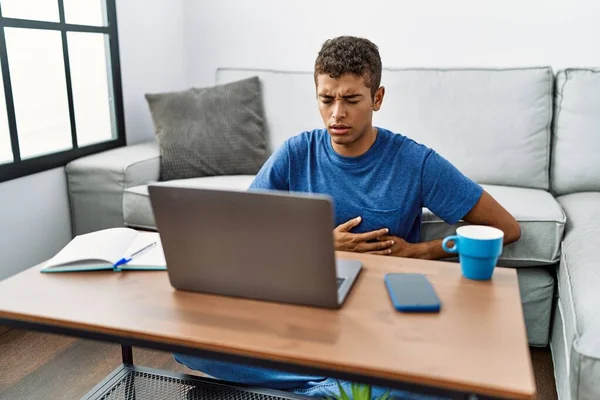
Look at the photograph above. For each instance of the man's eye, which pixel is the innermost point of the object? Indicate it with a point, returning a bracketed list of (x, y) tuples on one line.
[(326, 101), (353, 101)]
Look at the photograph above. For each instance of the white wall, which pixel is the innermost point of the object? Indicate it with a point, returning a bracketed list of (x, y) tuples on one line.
[(288, 34), (152, 53), (35, 220)]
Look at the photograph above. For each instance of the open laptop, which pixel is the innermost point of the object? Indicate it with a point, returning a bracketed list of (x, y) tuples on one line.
[(265, 245)]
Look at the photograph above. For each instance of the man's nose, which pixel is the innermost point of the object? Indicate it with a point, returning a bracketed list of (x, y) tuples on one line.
[(338, 111)]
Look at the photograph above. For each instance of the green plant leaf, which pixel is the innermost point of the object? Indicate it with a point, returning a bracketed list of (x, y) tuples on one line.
[(361, 391), (368, 390), (343, 394), (355, 391)]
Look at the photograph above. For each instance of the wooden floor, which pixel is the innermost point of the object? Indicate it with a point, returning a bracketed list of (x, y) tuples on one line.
[(35, 366)]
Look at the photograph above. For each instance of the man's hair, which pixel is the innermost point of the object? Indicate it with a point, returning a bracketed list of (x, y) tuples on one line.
[(349, 54)]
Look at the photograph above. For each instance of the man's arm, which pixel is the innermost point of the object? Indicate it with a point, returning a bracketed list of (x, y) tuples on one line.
[(274, 173), (487, 211)]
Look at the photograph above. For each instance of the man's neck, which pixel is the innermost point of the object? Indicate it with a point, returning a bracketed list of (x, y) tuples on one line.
[(358, 147)]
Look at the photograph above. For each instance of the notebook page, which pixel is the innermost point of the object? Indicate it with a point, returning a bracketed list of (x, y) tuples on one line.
[(107, 245), (153, 257)]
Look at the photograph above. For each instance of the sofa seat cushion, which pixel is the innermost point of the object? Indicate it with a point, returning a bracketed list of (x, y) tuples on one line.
[(137, 210), (541, 219), (579, 297)]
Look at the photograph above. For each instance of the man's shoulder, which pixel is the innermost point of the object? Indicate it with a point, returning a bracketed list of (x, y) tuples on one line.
[(405, 143), (306, 139)]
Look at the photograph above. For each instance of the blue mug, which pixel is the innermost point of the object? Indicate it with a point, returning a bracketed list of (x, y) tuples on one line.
[(478, 248)]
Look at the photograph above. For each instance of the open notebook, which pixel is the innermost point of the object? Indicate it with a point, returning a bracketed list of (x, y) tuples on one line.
[(110, 249)]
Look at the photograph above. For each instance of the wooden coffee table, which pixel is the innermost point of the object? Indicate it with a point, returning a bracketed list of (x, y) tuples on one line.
[(477, 344)]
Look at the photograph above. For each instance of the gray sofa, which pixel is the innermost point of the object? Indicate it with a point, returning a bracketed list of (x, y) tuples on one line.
[(530, 137)]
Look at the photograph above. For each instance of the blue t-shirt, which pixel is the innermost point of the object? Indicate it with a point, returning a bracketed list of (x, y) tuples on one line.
[(387, 186)]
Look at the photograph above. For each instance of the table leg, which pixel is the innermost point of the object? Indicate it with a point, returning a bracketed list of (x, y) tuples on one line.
[(127, 353)]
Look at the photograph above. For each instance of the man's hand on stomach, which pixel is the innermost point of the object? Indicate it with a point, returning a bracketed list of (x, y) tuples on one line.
[(367, 242)]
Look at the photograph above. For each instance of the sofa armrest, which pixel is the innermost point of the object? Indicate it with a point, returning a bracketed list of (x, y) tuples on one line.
[(96, 184)]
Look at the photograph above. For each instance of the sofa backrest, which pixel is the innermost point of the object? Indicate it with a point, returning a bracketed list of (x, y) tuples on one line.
[(289, 97), (576, 140), (493, 124)]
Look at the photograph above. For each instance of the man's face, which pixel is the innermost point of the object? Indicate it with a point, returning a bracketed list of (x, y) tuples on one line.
[(346, 107)]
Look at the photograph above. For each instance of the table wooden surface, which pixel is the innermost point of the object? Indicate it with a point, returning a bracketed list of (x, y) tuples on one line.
[(477, 343)]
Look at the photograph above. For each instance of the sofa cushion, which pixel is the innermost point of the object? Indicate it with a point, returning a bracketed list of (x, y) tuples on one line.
[(579, 297), (541, 219), (290, 100), (576, 132), (137, 210), (210, 131), (492, 124)]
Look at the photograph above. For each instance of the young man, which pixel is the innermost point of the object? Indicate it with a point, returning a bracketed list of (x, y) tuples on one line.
[(379, 182)]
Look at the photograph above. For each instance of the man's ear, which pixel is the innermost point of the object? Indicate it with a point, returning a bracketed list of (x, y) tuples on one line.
[(378, 98)]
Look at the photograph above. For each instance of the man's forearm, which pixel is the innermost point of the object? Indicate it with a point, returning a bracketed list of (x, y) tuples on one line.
[(425, 250), (429, 250), (433, 250)]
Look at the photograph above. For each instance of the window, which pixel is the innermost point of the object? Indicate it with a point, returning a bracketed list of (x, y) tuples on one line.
[(60, 92)]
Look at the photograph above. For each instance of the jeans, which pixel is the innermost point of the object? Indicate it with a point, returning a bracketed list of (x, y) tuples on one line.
[(306, 385)]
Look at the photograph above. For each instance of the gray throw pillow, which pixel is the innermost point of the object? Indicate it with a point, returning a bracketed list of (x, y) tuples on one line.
[(217, 130)]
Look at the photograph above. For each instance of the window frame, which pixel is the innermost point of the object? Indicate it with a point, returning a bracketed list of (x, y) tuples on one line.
[(19, 167)]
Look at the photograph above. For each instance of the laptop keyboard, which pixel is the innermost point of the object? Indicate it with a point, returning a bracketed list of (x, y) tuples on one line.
[(340, 281)]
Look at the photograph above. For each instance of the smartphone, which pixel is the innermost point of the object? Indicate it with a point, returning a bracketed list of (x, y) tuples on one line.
[(412, 293)]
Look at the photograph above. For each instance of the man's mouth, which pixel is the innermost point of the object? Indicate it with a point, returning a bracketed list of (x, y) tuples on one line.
[(339, 129)]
